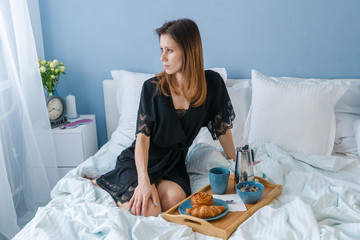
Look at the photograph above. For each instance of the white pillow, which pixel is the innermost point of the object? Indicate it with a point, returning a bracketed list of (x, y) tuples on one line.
[(129, 86), (357, 134), (297, 116), (350, 102), (240, 96), (347, 110)]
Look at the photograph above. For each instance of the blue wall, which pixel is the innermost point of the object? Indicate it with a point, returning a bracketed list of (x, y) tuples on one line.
[(300, 38)]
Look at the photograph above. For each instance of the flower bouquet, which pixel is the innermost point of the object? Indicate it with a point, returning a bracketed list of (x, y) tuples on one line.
[(50, 74)]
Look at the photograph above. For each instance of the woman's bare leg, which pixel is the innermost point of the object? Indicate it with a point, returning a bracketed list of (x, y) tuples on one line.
[(170, 193), (151, 210)]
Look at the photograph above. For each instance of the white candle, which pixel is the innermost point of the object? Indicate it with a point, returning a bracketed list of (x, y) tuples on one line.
[(71, 106)]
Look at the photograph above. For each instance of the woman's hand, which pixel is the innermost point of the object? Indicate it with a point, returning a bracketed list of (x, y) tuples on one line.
[(255, 162), (142, 194)]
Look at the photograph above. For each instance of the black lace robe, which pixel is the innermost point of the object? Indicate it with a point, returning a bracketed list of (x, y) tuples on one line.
[(171, 134)]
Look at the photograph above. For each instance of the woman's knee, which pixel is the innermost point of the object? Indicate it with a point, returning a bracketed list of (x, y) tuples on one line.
[(170, 194), (175, 195)]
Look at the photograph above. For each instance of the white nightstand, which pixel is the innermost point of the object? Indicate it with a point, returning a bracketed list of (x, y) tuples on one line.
[(74, 145)]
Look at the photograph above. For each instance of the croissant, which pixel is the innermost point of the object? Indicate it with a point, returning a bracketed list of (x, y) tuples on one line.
[(201, 198), (205, 211)]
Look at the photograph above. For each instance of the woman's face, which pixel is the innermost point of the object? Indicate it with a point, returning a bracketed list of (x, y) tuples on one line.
[(171, 54)]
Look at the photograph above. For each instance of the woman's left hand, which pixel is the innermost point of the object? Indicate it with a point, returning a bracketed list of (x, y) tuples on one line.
[(142, 194)]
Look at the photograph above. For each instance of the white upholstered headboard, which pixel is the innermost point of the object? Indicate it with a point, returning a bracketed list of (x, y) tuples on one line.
[(111, 111)]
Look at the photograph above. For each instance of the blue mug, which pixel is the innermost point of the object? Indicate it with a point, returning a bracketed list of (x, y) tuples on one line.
[(219, 178)]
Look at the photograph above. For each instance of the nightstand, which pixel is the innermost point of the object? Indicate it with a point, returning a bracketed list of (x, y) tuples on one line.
[(74, 145)]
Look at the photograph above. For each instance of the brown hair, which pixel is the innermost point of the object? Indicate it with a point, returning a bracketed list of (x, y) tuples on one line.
[(186, 33)]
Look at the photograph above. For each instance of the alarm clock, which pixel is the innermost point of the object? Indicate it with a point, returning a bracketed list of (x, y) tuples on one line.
[(56, 108)]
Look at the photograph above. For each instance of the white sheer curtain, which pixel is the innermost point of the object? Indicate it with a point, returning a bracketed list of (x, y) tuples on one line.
[(27, 153)]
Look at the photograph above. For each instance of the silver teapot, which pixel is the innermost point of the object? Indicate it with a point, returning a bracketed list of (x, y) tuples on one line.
[(244, 168)]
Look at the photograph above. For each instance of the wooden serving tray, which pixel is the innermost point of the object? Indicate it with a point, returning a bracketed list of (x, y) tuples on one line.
[(225, 226)]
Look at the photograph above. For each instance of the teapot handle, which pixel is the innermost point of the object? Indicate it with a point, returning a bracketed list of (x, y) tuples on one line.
[(246, 147)]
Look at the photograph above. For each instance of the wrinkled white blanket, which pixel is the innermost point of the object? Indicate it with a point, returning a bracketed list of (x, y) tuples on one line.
[(318, 200)]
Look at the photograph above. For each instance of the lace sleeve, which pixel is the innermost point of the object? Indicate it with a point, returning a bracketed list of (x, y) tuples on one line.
[(143, 126), (146, 110), (220, 114), (222, 121)]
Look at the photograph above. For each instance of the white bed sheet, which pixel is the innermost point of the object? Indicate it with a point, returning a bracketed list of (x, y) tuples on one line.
[(316, 202)]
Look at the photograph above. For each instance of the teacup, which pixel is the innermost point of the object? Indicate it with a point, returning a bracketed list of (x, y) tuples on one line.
[(219, 178)]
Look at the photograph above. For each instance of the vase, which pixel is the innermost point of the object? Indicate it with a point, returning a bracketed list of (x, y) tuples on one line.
[(53, 93)]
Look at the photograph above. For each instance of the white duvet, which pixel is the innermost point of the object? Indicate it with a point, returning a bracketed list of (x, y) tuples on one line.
[(320, 199)]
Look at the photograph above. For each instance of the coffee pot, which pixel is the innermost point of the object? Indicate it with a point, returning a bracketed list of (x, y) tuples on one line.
[(244, 168)]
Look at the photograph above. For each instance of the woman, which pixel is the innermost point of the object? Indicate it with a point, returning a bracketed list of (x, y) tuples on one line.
[(150, 176)]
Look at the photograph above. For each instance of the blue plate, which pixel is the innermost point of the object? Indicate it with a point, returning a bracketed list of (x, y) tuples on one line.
[(217, 202)]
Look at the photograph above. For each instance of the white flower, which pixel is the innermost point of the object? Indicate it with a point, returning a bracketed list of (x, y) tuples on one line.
[(50, 73)]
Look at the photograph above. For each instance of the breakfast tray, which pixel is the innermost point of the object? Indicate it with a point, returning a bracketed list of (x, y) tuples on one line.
[(225, 226)]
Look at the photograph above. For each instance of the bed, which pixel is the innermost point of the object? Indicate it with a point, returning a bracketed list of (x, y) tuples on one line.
[(320, 196)]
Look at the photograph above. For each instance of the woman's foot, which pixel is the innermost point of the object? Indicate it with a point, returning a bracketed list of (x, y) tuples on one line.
[(94, 182)]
